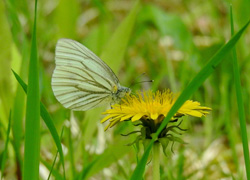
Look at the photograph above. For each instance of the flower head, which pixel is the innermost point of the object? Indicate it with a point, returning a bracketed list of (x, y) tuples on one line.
[(149, 106)]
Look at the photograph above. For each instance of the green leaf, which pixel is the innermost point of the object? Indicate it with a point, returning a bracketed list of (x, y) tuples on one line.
[(196, 82)]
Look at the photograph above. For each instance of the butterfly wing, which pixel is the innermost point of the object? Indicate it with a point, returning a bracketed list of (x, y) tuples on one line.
[(81, 80)]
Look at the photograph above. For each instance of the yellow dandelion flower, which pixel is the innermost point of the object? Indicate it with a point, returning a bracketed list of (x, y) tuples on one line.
[(149, 106)]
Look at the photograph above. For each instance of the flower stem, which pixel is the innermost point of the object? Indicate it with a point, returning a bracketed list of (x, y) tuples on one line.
[(156, 161)]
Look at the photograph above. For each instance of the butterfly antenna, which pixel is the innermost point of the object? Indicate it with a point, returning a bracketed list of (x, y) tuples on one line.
[(140, 83), (135, 80)]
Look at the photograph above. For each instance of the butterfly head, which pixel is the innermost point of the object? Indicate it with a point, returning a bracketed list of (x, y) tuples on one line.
[(120, 93), (123, 91)]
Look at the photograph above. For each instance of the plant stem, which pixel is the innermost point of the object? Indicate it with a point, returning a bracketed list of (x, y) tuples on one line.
[(156, 161)]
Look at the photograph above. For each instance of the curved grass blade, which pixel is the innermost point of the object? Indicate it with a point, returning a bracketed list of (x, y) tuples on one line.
[(240, 104), (48, 121), (5, 147), (187, 92)]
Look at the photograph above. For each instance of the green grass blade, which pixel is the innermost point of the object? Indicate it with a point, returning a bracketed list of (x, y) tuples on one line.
[(32, 122), (48, 121), (5, 147), (187, 92), (240, 104)]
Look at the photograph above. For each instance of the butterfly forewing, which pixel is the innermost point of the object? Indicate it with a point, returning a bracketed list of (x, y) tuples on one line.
[(81, 80)]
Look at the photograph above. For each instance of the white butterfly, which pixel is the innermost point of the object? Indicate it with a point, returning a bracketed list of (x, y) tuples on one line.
[(81, 80)]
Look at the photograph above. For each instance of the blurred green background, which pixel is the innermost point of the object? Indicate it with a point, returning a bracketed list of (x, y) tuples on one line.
[(169, 41)]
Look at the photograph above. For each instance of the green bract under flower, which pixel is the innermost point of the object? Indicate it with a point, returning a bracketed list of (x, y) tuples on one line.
[(151, 106)]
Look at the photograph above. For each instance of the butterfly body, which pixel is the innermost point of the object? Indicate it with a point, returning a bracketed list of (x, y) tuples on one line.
[(81, 80)]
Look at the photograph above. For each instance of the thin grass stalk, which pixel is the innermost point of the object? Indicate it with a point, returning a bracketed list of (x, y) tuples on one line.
[(54, 161), (243, 130)]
